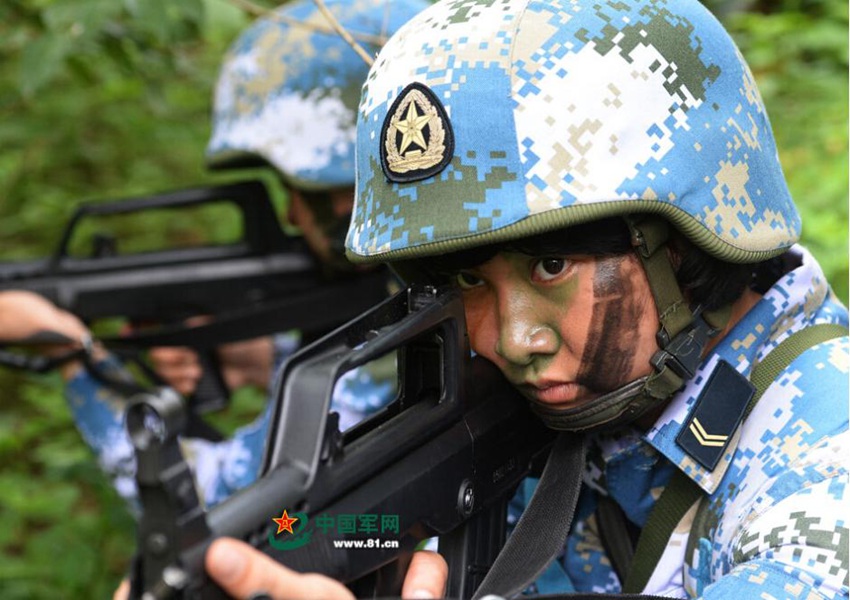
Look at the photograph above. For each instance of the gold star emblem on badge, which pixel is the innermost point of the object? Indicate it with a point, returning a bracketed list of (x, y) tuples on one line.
[(411, 129), (407, 152)]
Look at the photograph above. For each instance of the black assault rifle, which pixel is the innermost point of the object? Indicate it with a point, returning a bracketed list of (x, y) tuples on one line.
[(443, 459), (263, 283)]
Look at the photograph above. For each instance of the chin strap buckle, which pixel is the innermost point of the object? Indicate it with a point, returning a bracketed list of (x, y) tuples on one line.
[(683, 353)]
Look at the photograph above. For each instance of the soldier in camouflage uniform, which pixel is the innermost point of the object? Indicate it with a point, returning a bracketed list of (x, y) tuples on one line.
[(286, 98), (601, 181)]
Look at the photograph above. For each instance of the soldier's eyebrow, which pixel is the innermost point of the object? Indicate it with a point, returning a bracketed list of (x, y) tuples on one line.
[(607, 237), (448, 264)]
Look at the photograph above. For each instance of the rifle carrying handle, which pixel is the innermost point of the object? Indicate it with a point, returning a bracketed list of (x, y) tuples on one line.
[(261, 228)]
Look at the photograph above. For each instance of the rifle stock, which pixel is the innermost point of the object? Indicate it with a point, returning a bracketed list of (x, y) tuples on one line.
[(444, 458)]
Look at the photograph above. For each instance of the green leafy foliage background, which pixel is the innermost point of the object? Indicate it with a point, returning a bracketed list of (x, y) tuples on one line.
[(105, 99)]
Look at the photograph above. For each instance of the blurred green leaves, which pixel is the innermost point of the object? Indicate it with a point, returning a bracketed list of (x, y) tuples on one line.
[(83, 36), (798, 53), (63, 530), (98, 99), (111, 98)]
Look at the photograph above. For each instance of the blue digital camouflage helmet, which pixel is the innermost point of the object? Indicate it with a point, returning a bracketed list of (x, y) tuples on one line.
[(289, 86), (489, 121)]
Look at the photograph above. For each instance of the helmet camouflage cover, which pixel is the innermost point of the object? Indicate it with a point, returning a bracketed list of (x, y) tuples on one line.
[(289, 86), (490, 120)]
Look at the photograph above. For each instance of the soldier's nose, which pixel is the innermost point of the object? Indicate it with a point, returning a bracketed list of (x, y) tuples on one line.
[(519, 343)]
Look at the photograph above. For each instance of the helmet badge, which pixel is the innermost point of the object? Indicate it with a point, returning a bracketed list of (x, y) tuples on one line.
[(417, 138)]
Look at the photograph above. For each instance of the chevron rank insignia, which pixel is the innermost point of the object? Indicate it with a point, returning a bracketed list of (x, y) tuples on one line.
[(716, 415), (417, 138)]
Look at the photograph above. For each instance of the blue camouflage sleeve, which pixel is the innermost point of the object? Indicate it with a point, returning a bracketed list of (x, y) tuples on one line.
[(220, 468), (99, 416)]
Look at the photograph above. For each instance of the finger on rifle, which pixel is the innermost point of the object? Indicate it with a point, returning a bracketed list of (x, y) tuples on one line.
[(426, 576), (122, 592), (243, 571), (29, 318)]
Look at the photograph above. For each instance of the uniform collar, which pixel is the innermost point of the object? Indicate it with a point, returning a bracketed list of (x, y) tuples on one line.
[(786, 307)]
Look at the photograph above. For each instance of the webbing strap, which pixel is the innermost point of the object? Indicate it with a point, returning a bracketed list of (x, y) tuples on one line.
[(615, 535), (543, 527), (679, 495), (682, 492), (683, 333), (649, 238), (784, 354)]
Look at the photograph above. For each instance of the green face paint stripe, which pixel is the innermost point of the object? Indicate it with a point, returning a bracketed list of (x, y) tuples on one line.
[(550, 304), (521, 291), (563, 296), (560, 294)]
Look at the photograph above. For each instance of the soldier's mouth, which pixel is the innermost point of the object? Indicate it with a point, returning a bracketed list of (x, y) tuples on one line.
[(568, 394)]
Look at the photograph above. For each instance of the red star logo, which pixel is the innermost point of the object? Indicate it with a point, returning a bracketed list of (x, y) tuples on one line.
[(284, 522)]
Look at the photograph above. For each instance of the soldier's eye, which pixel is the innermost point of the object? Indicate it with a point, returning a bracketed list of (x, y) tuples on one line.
[(547, 269), (467, 280)]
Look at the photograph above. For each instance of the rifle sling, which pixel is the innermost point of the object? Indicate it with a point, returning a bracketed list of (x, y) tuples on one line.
[(617, 534), (682, 492), (543, 527)]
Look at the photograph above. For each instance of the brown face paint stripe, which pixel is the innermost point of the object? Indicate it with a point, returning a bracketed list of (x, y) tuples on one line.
[(608, 356)]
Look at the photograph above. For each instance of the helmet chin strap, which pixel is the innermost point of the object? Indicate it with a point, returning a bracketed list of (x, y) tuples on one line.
[(681, 338)]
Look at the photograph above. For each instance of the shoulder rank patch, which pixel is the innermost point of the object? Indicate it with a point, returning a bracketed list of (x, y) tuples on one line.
[(416, 138), (716, 415)]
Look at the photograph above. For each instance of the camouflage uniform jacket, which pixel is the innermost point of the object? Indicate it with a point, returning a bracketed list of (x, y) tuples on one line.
[(220, 468), (775, 521)]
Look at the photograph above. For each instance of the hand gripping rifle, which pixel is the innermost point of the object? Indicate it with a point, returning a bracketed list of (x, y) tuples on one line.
[(444, 458), (263, 283)]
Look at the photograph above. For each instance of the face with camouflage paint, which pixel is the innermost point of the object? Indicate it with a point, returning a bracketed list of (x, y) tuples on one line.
[(323, 218), (563, 329)]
